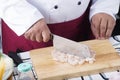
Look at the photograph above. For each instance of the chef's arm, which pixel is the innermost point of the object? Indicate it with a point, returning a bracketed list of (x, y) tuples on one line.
[(19, 15), (102, 17), (105, 6)]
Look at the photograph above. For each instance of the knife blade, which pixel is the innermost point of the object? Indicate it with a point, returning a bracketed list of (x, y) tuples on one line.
[(70, 47)]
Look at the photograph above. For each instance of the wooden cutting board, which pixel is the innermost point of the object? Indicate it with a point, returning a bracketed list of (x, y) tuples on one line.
[(47, 69)]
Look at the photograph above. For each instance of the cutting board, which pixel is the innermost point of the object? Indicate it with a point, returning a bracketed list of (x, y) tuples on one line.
[(107, 59)]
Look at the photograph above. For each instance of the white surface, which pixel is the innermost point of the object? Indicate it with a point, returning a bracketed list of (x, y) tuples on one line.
[(96, 77), (109, 74)]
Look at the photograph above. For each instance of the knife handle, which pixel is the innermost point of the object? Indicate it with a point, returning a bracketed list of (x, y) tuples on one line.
[(51, 36)]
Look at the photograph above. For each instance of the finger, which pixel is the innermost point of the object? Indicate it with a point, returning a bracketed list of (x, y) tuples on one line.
[(39, 37), (103, 27), (94, 31), (32, 37), (46, 35), (110, 27), (27, 35), (96, 28)]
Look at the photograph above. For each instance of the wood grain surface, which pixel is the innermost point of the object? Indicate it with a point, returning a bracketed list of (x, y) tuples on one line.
[(107, 59)]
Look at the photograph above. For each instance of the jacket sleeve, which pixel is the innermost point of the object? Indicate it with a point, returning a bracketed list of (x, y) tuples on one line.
[(110, 7), (19, 15)]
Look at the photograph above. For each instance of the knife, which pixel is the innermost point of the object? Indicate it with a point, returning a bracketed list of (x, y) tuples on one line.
[(70, 47)]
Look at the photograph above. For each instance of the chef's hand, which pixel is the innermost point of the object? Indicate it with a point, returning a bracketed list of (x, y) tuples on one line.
[(102, 25), (38, 32)]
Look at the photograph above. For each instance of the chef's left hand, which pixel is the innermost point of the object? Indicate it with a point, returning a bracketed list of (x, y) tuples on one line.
[(102, 25)]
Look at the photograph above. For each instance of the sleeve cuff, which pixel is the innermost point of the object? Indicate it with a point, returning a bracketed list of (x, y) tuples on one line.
[(21, 16), (25, 27), (24, 24), (93, 12)]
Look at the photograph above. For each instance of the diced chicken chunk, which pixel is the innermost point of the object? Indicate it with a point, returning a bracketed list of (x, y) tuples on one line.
[(72, 59)]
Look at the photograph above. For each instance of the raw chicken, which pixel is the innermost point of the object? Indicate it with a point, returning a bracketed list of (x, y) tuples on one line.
[(72, 52), (72, 59)]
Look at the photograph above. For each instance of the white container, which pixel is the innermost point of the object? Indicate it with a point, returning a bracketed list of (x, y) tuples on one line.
[(25, 71)]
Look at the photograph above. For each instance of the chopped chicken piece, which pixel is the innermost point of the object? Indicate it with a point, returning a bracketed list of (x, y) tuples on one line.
[(72, 59)]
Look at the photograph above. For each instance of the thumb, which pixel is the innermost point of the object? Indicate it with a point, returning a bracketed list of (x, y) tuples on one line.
[(46, 36)]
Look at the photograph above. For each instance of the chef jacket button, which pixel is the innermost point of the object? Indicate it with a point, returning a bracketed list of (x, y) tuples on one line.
[(79, 3), (55, 6)]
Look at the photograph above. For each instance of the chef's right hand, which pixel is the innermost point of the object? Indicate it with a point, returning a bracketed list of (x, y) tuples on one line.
[(38, 32)]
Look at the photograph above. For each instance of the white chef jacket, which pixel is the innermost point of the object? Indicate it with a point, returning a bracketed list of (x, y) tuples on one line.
[(20, 15)]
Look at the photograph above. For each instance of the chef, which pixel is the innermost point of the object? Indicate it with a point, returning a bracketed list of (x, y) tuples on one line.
[(27, 24)]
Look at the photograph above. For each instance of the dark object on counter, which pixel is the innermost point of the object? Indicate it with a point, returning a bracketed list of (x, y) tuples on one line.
[(116, 30), (17, 60)]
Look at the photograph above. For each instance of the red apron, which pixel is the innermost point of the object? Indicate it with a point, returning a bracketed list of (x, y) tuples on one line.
[(77, 30)]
